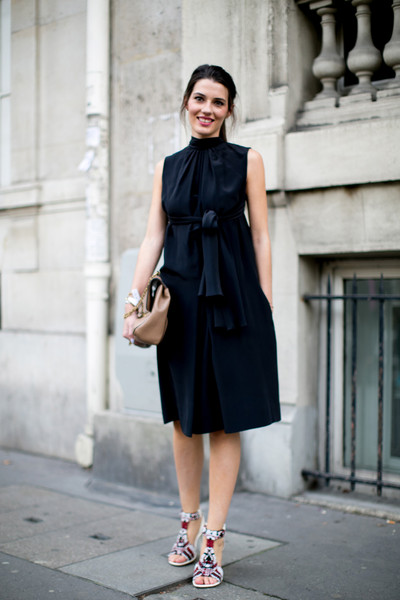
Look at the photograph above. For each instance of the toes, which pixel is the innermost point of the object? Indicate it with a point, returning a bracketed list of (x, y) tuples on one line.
[(200, 580), (177, 558)]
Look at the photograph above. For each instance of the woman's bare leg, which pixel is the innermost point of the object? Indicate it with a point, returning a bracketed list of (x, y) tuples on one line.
[(224, 468), (189, 458)]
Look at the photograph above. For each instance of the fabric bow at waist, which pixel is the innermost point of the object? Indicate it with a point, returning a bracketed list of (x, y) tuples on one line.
[(227, 300)]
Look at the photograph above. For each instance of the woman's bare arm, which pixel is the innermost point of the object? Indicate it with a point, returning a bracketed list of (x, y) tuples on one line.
[(258, 216), (151, 247)]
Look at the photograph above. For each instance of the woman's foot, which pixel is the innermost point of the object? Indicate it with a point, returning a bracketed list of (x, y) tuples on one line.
[(184, 550), (208, 571)]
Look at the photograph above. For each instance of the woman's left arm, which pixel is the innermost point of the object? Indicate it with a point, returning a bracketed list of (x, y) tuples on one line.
[(258, 217)]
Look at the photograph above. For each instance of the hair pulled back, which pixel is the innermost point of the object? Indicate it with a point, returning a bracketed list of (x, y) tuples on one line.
[(217, 74)]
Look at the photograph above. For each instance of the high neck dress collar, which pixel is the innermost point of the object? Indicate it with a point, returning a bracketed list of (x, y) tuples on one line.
[(205, 143)]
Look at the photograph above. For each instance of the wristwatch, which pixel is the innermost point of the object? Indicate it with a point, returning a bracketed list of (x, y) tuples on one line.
[(133, 297)]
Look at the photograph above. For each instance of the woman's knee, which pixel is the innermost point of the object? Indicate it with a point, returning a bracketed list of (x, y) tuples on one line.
[(222, 436)]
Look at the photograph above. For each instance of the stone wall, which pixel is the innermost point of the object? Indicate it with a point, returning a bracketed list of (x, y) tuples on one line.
[(145, 99), (42, 355)]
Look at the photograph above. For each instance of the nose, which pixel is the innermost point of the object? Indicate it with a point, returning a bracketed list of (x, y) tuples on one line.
[(206, 108)]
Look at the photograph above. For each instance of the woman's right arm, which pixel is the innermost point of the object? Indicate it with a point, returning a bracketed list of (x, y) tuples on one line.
[(150, 249)]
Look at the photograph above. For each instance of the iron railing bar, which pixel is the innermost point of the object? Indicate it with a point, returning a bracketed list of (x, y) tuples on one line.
[(353, 384), (380, 392), (328, 384), (349, 478), (307, 297)]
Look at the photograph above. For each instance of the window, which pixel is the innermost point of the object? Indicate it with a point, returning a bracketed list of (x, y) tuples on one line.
[(368, 275), (360, 342), (367, 350)]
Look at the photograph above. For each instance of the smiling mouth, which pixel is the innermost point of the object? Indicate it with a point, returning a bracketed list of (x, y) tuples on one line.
[(205, 120)]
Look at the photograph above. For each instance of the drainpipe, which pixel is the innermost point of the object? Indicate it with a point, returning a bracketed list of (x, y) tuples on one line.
[(97, 257)]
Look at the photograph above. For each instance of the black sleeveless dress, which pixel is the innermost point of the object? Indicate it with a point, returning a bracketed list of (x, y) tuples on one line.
[(217, 362)]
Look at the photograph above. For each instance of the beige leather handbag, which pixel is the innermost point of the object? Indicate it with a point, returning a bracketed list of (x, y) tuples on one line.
[(152, 312)]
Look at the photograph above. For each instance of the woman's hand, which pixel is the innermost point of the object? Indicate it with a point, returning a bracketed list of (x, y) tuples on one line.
[(129, 324)]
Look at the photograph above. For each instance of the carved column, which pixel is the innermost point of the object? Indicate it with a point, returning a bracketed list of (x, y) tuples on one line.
[(328, 66), (391, 53), (364, 59)]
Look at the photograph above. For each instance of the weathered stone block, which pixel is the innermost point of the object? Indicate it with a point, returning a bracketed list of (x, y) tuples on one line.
[(59, 9), (51, 301), (134, 450), (21, 245), (347, 154), (63, 190), (42, 392), (23, 14), (18, 196), (62, 239), (23, 114), (346, 220), (62, 111)]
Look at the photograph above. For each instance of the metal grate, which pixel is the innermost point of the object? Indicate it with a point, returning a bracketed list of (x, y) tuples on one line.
[(327, 475)]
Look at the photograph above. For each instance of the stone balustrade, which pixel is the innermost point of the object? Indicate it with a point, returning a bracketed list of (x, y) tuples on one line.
[(364, 59)]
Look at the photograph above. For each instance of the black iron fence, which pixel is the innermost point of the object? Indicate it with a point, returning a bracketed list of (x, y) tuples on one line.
[(354, 297)]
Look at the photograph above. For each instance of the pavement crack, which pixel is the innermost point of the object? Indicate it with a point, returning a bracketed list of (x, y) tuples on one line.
[(162, 589), (247, 588)]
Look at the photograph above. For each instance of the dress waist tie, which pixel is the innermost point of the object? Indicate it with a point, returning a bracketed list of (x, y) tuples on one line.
[(224, 296)]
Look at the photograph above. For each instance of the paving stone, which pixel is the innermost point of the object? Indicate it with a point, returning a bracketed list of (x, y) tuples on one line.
[(144, 568), (67, 545), (13, 497), (49, 512), (22, 580)]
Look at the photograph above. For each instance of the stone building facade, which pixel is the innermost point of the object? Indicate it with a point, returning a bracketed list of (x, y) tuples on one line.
[(89, 102)]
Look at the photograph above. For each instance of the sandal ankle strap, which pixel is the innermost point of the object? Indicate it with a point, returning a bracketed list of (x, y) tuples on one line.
[(213, 534), (187, 517)]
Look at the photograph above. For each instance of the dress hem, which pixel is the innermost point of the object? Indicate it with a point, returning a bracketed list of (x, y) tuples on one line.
[(249, 428)]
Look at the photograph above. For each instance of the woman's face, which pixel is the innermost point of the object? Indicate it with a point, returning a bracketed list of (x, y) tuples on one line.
[(207, 108)]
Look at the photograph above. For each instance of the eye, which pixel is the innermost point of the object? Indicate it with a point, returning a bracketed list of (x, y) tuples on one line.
[(219, 103), (198, 98)]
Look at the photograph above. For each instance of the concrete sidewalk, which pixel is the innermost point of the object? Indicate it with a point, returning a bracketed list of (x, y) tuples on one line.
[(63, 535)]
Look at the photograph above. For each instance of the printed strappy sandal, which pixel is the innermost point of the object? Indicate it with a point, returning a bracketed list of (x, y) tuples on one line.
[(182, 546), (207, 565)]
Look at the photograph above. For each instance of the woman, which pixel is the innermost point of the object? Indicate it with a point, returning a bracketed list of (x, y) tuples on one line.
[(217, 361)]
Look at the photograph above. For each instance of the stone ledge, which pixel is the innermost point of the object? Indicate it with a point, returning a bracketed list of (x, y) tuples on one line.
[(344, 154), (353, 505)]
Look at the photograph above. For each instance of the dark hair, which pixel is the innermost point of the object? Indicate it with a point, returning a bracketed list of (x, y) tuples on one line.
[(217, 74)]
